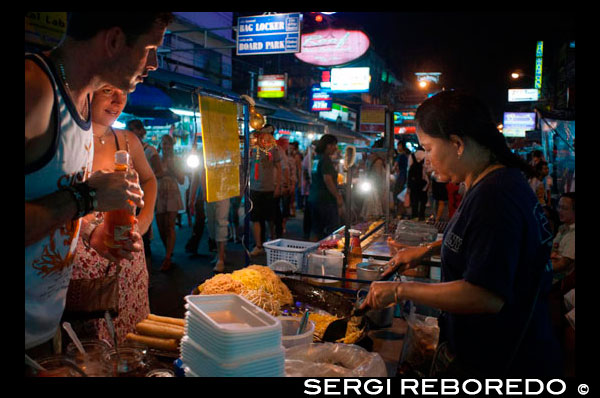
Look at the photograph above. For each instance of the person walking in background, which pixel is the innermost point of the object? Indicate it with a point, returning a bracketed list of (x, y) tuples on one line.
[(265, 187), (372, 207), (169, 200), (326, 203), (417, 184), (537, 182), (137, 127), (107, 105), (296, 156), (196, 203), (307, 162), (282, 208), (400, 170)]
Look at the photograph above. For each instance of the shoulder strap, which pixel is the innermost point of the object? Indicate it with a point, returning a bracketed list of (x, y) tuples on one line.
[(42, 161), (116, 139)]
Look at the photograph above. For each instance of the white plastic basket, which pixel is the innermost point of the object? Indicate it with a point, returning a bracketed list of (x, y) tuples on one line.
[(294, 251)]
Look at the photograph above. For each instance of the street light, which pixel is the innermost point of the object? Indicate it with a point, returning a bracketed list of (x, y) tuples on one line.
[(423, 84)]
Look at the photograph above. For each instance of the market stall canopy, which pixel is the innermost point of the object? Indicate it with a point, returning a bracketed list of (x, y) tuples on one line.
[(286, 119), (156, 117), (146, 96), (345, 134), (181, 86)]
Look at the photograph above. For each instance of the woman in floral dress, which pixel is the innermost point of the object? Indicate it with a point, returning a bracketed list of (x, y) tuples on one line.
[(107, 105)]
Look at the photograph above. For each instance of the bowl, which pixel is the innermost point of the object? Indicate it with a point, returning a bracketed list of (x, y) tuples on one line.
[(289, 327)]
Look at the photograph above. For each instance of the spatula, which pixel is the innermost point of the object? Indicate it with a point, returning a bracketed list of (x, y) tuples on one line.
[(337, 329)]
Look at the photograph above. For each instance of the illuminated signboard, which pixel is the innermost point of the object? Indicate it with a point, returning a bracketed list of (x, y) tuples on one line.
[(350, 80), (47, 29), (372, 118), (321, 100), (539, 53), (517, 123), (268, 34), (272, 86), (338, 111), (432, 77), (404, 116), (330, 47), (520, 95)]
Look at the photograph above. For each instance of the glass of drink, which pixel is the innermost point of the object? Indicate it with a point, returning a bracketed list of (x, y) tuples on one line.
[(127, 362), (94, 361), (56, 366)]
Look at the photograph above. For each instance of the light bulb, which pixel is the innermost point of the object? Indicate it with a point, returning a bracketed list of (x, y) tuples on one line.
[(193, 161)]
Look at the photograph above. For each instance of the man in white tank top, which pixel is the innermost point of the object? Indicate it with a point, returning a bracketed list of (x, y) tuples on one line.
[(100, 48)]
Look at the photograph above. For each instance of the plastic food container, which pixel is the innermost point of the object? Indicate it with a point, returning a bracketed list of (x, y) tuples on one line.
[(327, 265), (230, 327), (289, 327), (204, 364)]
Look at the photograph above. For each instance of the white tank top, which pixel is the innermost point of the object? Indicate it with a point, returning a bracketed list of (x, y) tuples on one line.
[(48, 262)]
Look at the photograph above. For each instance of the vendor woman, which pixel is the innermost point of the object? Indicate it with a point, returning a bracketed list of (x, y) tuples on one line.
[(495, 252)]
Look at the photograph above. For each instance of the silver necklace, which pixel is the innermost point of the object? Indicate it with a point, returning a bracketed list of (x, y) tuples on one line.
[(101, 137), (63, 76)]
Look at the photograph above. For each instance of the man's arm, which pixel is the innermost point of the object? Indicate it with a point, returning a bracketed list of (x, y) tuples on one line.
[(51, 211)]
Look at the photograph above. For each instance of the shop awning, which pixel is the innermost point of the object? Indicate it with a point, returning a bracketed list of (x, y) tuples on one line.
[(285, 119), (157, 117), (147, 96), (181, 87), (344, 134)]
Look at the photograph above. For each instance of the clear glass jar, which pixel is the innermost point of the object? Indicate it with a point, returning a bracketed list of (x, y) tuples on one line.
[(94, 361), (130, 362), (56, 366)]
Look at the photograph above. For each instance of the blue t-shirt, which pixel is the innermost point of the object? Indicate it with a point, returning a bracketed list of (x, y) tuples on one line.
[(500, 239)]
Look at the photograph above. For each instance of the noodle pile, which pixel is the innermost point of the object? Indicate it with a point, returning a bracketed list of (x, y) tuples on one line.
[(260, 285)]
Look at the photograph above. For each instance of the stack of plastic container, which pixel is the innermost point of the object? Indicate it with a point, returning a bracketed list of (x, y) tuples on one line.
[(228, 336)]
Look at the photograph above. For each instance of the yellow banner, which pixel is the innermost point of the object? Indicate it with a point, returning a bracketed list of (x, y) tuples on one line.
[(221, 148)]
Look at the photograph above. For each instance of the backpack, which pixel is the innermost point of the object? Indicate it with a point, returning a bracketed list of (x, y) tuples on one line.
[(415, 180)]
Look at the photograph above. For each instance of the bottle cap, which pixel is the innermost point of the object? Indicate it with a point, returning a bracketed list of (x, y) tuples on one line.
[(122, 157)]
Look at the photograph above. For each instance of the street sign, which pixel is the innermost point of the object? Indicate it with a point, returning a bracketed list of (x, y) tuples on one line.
[(268, 34), (321, 99), (520, 95), (272, 86)]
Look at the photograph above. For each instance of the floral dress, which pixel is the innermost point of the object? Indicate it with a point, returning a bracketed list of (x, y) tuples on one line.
[(133, 292), (134, 304)]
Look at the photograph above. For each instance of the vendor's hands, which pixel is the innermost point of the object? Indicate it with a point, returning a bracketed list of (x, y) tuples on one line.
[(128, 247), (277, 192), (114, 190), (381, 295)]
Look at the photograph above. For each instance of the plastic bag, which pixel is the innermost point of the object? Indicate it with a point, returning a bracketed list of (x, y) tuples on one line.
[(333, 360), (419, 345)]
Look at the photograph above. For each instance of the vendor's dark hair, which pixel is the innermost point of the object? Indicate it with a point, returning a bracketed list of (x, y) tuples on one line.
[(85, 25), (324, 141), (452, 112)]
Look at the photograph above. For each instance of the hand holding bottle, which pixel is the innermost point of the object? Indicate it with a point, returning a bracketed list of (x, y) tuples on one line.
[(128, 247), (116, 190)]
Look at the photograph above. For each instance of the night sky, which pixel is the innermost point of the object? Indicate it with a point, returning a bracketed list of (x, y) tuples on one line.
[(475, 52)]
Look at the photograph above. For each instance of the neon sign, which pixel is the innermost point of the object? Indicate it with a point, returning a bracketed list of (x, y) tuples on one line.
[(332, 46)]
